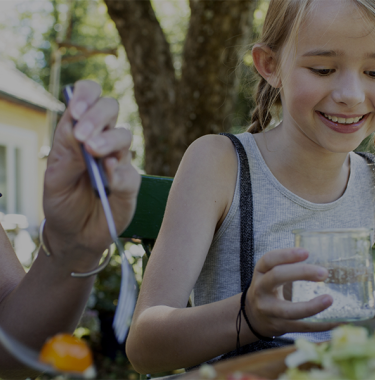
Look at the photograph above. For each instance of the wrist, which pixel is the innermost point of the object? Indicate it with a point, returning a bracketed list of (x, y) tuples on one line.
[(67, 253), (242, 312)]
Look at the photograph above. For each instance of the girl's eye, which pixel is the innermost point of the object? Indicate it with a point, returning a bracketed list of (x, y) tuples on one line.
[(322, 72), (370, 73)]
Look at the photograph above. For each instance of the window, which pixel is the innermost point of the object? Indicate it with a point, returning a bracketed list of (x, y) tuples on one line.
[(19, 172), (3, 179)]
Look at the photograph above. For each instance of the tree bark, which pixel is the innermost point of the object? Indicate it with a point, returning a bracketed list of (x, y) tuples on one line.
[(153, 75), (176, 112)]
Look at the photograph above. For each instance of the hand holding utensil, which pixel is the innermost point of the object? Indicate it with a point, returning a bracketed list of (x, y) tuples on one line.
[(128, 291)]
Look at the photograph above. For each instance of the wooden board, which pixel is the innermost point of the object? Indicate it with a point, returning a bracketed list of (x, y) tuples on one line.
[(268, 364)]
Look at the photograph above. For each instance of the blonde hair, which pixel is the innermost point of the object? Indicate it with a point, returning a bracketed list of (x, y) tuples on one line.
[(280, 29)]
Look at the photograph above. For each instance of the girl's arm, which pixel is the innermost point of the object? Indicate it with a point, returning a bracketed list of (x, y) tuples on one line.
[(47, 300), (165, 334)]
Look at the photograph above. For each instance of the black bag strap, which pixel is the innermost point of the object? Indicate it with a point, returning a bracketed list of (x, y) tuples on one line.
[(246, 215), (247, 263), (370, 158)]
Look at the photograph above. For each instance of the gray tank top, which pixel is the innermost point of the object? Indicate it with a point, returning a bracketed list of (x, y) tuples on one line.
[(276, 212)]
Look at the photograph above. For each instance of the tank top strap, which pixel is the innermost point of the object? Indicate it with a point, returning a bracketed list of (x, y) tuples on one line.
[(247, 261), (370, 158), (246, 215)]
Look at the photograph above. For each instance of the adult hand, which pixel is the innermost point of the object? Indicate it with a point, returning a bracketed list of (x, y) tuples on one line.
[(269, 312), (75, 221)]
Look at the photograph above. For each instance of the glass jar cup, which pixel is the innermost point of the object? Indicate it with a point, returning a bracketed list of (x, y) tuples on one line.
[(347, 255)]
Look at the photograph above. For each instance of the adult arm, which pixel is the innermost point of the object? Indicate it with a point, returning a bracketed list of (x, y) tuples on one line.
[(47, 300)]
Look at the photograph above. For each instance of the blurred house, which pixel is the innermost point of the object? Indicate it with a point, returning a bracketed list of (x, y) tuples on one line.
[(24, 142)]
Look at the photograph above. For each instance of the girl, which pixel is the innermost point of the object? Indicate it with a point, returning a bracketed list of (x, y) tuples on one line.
[(316, 59)]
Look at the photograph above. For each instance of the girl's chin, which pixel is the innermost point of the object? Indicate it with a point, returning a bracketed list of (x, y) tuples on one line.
[(341, 147)]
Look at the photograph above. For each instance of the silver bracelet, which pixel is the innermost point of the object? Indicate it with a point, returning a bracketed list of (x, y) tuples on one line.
[(105, 262)]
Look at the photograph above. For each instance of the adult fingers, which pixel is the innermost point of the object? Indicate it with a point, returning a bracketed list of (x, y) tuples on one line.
[(279, 257), (110, 141), (85, 95), (103, 114), (281, 274), (123, 178)]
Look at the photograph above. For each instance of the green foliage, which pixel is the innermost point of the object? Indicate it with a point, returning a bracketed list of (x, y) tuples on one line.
[(90, 26), (119, 368), (173, 16), (367, 145), (245, 103), (28, 34), (108, 281), (259, 16)]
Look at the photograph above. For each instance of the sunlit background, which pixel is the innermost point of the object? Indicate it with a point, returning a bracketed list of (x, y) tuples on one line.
[(29, 30)]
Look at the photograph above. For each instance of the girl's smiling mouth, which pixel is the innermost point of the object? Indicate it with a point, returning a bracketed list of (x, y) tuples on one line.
[(342, 124)]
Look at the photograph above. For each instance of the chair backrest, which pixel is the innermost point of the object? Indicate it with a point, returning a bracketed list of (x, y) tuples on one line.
[(149, 213), (151, 202)]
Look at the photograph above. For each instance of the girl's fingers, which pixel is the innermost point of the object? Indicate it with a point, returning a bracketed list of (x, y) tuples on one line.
[(280, 257), (288, 317), (283, 274), (116, 140), (298, 310), (301, 326), (103, 114)]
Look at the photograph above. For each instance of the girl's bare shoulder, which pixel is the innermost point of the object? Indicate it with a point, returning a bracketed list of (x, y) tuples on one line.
[(214, 153), (208, 171)]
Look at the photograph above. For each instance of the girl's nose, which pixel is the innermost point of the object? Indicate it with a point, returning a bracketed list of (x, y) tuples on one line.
[(349, 91)]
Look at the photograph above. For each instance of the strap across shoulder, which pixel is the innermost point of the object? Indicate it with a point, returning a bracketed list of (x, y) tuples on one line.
[(247, 263), (246, 214), (370, 158)]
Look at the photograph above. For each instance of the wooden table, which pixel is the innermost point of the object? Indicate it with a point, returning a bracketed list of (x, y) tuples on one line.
[(268, 364)]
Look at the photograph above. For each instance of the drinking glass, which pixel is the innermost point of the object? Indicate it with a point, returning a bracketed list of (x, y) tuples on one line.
[(347, 255)]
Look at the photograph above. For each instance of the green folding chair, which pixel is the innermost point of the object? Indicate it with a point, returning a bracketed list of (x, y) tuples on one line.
[(151, 202)]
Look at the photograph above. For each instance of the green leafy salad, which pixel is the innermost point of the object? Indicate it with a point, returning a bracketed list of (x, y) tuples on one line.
[(350, 355)]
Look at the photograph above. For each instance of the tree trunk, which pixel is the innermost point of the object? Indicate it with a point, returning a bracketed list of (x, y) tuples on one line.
[(176, 112), (153, 76)]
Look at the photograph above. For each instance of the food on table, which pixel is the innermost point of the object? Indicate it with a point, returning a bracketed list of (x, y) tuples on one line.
[(66, 353), (207, 371), (243, 376), (350, 355)]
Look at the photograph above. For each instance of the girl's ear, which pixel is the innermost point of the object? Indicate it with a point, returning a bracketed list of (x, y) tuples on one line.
[(265, 62)]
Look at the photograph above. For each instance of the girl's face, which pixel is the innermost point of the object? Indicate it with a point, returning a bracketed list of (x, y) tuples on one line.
[(328, 86)]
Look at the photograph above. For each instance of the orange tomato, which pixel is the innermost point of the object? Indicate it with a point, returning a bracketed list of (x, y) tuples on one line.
[(67, 353)]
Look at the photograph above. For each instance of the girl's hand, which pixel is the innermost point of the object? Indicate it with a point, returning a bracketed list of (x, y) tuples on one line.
[(269, 312), (75, 220)]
